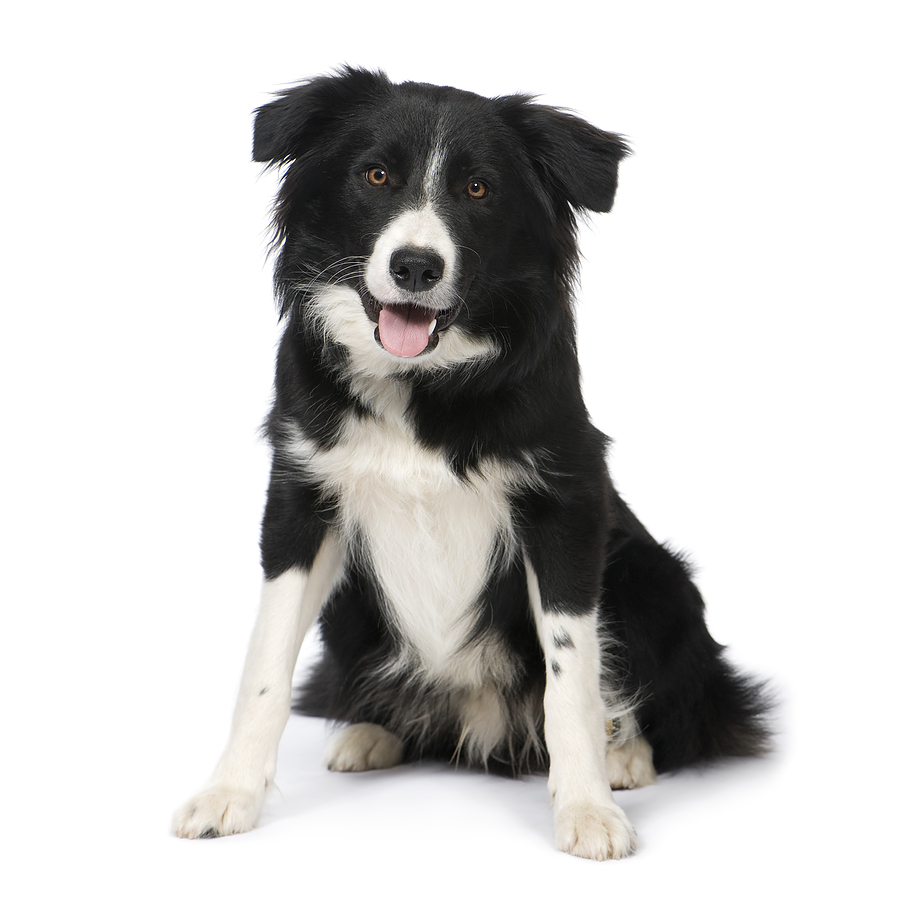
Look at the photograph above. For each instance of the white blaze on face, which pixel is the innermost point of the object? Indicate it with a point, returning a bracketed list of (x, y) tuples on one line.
[(407, 320)]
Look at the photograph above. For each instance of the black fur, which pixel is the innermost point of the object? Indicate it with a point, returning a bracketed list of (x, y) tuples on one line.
[(518, 262)]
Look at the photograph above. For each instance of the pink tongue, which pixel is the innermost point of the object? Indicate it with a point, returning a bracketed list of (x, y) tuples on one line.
[(404, 329)]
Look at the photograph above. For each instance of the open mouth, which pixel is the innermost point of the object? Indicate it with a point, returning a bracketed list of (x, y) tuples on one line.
[(405, 329)]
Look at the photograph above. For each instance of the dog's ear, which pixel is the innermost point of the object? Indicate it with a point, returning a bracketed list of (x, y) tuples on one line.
[(278, 124), (287, 127), (572, 157)]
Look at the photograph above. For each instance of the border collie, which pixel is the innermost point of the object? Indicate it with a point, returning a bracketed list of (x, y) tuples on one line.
[(439, 499)]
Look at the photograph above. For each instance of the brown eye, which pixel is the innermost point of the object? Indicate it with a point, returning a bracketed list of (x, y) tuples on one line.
[(477, 190), (377, 176)]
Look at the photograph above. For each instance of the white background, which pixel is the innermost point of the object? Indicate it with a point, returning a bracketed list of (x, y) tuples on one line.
[(738, 332)]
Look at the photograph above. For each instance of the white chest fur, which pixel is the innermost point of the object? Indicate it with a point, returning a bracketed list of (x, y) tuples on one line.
[(431, 538)]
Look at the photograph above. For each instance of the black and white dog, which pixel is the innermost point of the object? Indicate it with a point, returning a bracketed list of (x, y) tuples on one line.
[(439, 499)]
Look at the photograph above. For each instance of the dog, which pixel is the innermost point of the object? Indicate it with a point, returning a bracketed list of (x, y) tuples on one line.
[(439, 500)]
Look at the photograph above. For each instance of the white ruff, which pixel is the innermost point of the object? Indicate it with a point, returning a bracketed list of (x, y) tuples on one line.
[(431, 538)]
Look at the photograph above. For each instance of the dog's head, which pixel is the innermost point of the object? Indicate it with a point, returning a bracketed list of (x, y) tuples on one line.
[(424, 225)]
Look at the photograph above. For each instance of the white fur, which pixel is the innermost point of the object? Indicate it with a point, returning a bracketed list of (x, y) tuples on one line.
[(359, 748), (630, 765), (422, 228), (430, 536), (432, 184), (233, 797), (587, 820), (341, 314), (483, 724)]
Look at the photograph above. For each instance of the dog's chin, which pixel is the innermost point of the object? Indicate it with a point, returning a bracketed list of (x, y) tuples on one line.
[(420, 337)]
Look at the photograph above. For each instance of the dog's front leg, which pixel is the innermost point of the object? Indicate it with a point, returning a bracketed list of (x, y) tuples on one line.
[(232, 799), (587, 821)]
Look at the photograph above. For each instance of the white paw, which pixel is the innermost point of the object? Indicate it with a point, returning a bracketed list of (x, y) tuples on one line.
[(594, 831), (218, 811), (359, 748), (630, 765)]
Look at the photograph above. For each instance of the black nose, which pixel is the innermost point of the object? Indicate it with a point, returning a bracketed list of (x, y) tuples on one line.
[(416, 269)]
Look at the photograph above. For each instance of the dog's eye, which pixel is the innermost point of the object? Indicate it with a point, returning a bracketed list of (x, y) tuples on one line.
[(477, 190), (377, 176)]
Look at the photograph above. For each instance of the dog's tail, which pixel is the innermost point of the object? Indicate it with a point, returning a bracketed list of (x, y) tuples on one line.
[(694, 705)]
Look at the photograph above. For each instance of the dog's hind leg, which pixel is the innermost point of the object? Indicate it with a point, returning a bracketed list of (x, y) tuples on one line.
[(233, 798), (361, 747), (630, 765)]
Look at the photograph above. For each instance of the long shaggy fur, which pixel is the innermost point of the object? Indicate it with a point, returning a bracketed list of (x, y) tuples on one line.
[(439, 497), (526, 401)]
